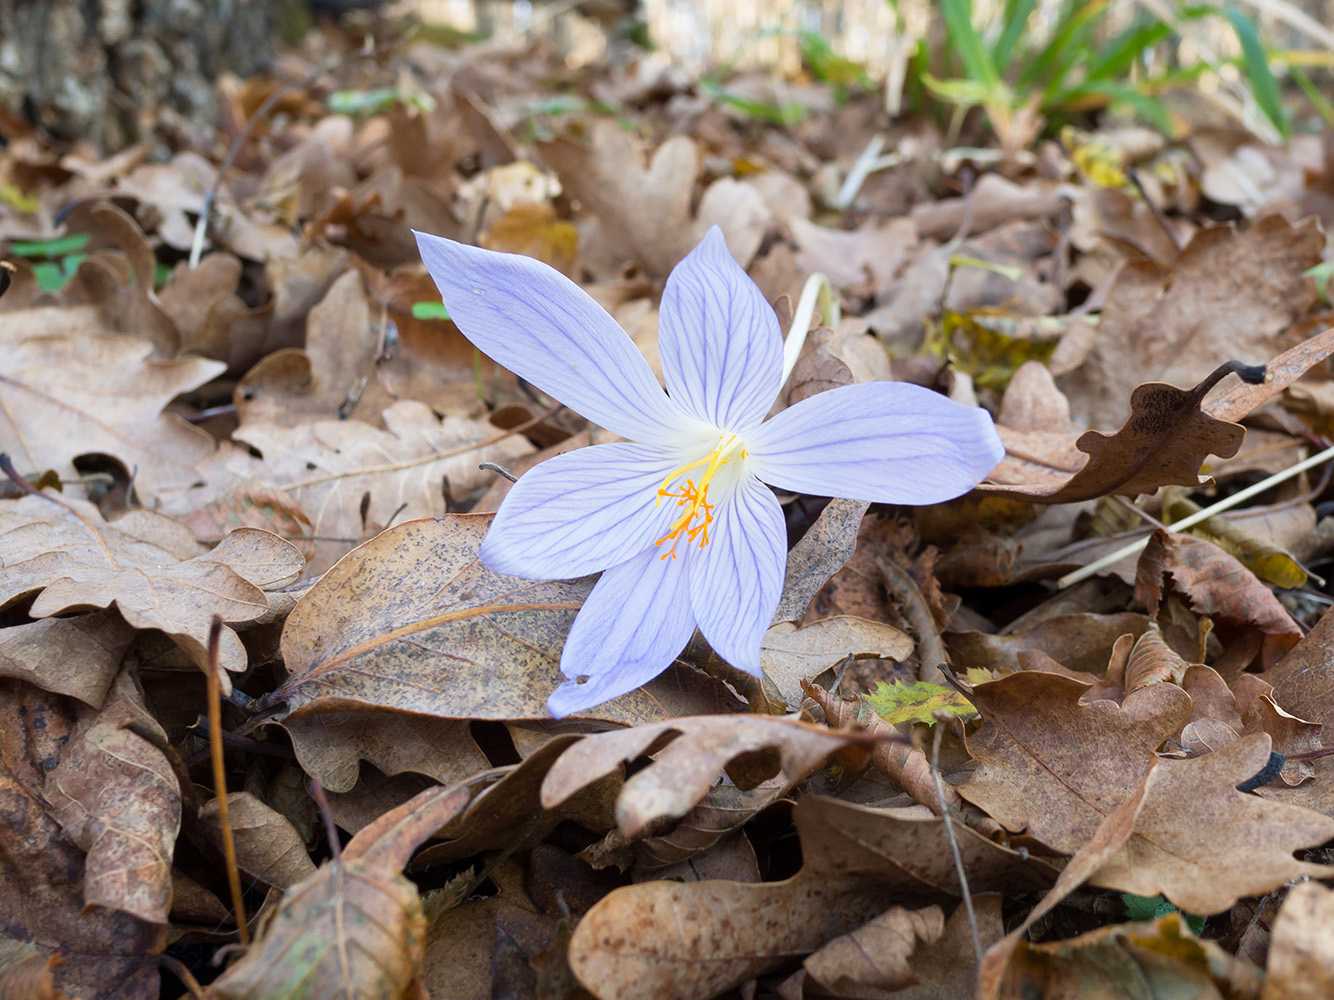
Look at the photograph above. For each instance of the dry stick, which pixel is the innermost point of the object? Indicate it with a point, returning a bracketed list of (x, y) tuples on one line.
[(179, 970), (1227, 503), (326, 814), (220, 779), (949, 834), (262, 112), (1155, 210)]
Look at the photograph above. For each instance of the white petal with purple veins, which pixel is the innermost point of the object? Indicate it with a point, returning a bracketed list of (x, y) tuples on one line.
[(736, 580), (886, 442), (721, 349), (546, 329), (636, 620)]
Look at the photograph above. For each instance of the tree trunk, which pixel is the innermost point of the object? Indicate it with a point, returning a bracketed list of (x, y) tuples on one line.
[(104, 70)]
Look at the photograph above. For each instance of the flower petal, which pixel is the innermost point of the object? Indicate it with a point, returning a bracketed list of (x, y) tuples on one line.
[(634, 622), (581, 512), (547, 330), (721, 349), (886, 442), (736, 580)]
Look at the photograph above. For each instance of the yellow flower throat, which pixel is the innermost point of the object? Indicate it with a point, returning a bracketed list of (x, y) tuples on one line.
[(698, 514)]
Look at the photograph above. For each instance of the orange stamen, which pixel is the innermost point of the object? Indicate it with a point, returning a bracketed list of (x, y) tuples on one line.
[(694, 522)]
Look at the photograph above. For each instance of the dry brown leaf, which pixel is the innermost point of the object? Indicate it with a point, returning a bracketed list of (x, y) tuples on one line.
[(355, 927), (116, 796), (723, 811), (1292, 737), (1153, 661), (370, 633), (31, 979), (331, 745), (1054, 767), (67, 392), (1118, 961), (1214, 584), (1163, 442), (329, 467), (669, 941), (643, 213), (822, 551), (109, 955), (946, 969), (1229, 295), (1301, 952), (1203, 844), (689, 755), (877, 955), (148, 566), (77, 656), (1079, 641), (267, 845), (790, 653)]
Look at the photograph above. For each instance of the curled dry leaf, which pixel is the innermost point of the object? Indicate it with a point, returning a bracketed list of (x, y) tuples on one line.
[(1214, 584), (114, 794), (1078, 641), (1153, 661), (689, 754), (149, 567), (1290, 736), (1203, 844), (821, 553), (1301, 950), (72, 393), (724, 809), (413, 622), (351, 478), (1054, 766), (791, 653)]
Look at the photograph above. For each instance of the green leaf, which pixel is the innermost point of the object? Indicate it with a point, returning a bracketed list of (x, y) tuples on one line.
[(916, 702), (368, 102), (1255, 61), (1142, 908), (965, 40), (429, 310), (768, 111), (50, 249)]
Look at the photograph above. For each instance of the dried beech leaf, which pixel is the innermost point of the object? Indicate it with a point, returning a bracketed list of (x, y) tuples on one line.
[(148, 566), (1053, 766), (1261, 556)]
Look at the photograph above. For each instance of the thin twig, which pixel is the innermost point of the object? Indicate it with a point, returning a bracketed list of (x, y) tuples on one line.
[(498, 470), (942, 718), (326, 814), (187, 978), (1157, 212), (220, 780), (1096, 567)]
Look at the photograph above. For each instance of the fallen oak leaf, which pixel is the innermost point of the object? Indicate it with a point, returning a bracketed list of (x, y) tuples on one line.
[(1203, 844), (877, 954), (55, 387), (1301, 952), (146, 565), (1163, 442), (411, 621), (1055, 767)]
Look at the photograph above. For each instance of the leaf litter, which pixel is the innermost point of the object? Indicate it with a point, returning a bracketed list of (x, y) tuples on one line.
[(956, 769)]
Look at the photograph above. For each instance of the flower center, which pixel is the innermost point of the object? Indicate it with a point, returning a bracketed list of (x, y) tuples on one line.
[(692, 494)]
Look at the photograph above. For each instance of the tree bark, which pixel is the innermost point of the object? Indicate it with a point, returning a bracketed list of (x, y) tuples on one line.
[(103, 70)]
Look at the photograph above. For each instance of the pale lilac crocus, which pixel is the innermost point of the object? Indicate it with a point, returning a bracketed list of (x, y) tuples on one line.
[(678, 519)]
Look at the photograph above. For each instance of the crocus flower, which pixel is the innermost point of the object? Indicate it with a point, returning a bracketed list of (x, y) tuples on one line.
[(677, 518)]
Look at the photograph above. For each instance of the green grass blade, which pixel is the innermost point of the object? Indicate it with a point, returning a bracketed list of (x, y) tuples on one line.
[(1255, 63), (966, 41)]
